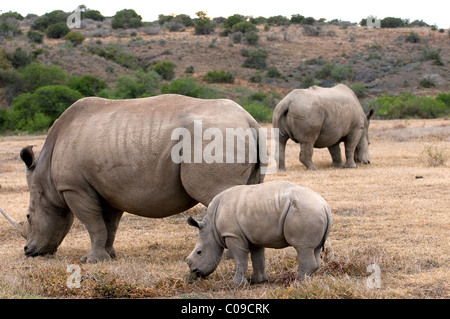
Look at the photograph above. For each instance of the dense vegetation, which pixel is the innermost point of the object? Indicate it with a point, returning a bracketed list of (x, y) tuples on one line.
[(38, 93)]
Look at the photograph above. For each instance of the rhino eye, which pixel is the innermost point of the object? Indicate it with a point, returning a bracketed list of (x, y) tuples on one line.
[(199, 252), (28, 216)]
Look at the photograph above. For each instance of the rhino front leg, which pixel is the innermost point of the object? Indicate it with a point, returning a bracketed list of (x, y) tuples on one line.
[(335, 152), (259, 265), (306, 153), (87, 208), (240, 255), (350, 146)]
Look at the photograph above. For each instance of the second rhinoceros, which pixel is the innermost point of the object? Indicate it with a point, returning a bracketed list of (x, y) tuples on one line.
[(323, 117), (248, 218)]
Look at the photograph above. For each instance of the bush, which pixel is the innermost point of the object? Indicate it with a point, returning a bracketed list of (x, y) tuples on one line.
[(260, 112), (412, 37), (336, 72), (9, 30), (74, 37), (36, 75), (244, 27), (359, 89), (391, 22), (116, 53), (37, 111), (88, 85), (19, 58), (188, 87), (272, 72), (218, 77), (93, 15), (141, 84), (126, 19), (251, 38), (432, 55), (257, 59), (35, 37), (203, 25), (444, 98), (57, 30), (232, 20), (278, 20), (12, 81), (43, 22), (165, 69), (427, 82), (297, 18), (408, 105)]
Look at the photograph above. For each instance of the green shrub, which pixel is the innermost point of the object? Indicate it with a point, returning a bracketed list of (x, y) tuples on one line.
[(188, 87), (432, 55), (88, 85), (9, 30), (116, 53), (232, 20), (336, 72), (37, 111), (444, 98), (35, 37), (257, 59), (165, 69), (92, 14), (427, 82), (251, 38), (278, 20), (297, 18), (43, 22), (74, 37), (57, 30), (126, 19), (189, 70), (272, 72), (308, 81), (390, 22), (260, 112), (244, 27), (359, 89), (412, 37), (203, 25), (19, 58), (36, 75), (218, 77), (408, 105), (13, 83), (141, 84)]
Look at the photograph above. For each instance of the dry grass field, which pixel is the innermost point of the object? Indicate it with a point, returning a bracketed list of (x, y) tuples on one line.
[(393, 213)]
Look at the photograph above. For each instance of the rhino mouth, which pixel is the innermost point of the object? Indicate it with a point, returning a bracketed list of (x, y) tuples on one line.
[(32, 251), (199, 273)]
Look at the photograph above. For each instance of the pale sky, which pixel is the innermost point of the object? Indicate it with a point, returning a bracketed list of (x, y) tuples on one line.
[(432, 12)]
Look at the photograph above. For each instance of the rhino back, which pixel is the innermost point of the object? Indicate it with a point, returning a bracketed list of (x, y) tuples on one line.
[(122, 149)]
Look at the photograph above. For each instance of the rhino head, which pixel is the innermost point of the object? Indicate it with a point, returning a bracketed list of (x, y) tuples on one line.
[(362, 149), (48, 218), (205, 257)]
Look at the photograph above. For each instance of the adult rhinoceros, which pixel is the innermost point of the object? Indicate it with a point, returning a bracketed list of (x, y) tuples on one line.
[(103, 157), (323, 117)]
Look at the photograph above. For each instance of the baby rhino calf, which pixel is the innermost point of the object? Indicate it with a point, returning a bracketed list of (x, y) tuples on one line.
[(248, 218)]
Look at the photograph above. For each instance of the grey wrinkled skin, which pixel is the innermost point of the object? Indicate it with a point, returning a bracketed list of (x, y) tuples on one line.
[(103, 157), (246, 219), (323, 117)]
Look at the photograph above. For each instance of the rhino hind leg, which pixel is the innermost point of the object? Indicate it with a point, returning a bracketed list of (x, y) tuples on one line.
[(112, 217), (335, 152), (88, 209), (307, 262), (306, 153)]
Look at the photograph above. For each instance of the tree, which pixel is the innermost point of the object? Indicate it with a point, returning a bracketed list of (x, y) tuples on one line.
[(126, 19), (203, 25)]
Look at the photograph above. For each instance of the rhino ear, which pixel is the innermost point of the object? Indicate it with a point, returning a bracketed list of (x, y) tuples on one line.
[(27, 155), (192, 222), (369, 114)]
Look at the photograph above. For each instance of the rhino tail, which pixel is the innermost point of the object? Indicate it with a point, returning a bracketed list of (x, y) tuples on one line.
[(257, 177), (280, 111), (327, 230)]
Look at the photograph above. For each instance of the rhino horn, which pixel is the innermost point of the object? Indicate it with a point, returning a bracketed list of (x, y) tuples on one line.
[(18, 226)]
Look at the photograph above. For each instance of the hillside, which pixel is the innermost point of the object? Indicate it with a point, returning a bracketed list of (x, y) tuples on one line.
[(377, 61)]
